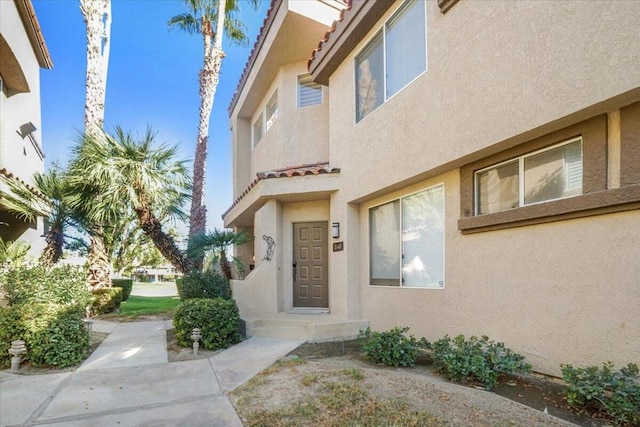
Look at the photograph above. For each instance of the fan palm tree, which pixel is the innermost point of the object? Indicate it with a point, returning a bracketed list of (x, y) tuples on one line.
[(200, 19), (218, 243), (113, 172), (13, 254), (50, 200)]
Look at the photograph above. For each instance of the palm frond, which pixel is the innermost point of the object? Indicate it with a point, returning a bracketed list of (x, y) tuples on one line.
[(185, 22)]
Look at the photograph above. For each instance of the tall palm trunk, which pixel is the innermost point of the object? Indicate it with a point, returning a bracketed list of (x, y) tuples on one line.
[(209, 77), (97, 17), (225, 267), (53, 250), (165, 244)]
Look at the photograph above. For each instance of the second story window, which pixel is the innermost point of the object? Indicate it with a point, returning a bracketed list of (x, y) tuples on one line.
[(265, 119), (309, 92), (395, 56)]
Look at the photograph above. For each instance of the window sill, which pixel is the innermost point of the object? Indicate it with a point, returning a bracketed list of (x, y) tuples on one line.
[(596, 203)]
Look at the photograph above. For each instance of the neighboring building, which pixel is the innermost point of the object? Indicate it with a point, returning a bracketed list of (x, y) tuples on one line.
[(480, 162), (22, 53)]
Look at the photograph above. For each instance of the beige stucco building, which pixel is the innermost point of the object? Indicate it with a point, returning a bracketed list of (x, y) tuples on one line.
[(23, 53), (477, 162)]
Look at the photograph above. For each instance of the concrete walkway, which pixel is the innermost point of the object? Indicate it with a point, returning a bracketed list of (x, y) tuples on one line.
[(128, 381)]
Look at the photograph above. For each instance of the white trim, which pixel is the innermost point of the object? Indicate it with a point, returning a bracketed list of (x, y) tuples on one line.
[(401, 246), (383, 30), (520, 159)]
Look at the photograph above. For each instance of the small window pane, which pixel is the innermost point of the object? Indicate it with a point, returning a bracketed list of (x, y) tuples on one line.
[(384, 238), (406, 46), (497, 188), (309, 92), (553, 174), (257, 130), (271, 111), (369, 78), (423, 239)]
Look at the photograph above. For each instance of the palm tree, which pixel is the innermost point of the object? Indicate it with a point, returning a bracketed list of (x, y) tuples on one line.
[(97, 17), (199, 20), (113, 172), (49, 200), (218, 242)]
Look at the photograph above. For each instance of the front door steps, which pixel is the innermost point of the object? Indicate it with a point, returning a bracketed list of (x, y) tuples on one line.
[(322, 327)]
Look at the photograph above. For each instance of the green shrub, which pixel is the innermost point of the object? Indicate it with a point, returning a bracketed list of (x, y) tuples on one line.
[(11, 329), (105, 300), (196, 284), (55, 335), (476, 360), (126, 285), (391, 347), (616, 393), (217, 318), (59, 285)]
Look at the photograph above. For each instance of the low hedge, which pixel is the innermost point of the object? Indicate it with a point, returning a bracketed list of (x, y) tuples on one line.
[(55, 335), (126, 285), (60, 285), (196, 284), (217, 318), (105, 300)]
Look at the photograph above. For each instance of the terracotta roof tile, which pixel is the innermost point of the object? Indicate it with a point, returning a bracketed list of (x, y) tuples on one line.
[(29, 187), (262, 34), (331, 30), (287, 172)]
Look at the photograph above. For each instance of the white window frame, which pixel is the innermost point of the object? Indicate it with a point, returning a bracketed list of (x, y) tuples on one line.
[(262, 118), (383, 31), (401, 245), (301, 77), (521, 183)]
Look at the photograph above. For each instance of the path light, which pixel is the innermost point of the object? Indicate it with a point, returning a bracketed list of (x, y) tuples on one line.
[(196, 335), (17, 349), (88, 324)]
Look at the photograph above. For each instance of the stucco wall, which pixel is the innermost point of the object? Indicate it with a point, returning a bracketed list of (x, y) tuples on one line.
[(17, 154), (299, 135), (560, 293), (495, 71)]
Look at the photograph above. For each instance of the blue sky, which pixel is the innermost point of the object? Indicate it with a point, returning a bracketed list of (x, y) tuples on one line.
[(152, 81)]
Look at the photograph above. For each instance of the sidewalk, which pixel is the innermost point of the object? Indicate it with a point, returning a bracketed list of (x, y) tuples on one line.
[(128, 381)]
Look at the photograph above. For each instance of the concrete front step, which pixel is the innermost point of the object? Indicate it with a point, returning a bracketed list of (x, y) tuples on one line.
[(314, 328)]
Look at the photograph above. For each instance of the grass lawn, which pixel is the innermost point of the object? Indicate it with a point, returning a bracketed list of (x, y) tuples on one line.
[(142, 306)]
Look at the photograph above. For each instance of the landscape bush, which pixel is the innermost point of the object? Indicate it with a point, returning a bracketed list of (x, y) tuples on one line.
[(54, 334), (217, 318), (60, 285), (605, 390), (476, 360), (126, 285), (105, 300), (391, 347), (196, 284)]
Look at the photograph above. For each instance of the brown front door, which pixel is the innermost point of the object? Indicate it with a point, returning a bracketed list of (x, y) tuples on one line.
[(310, 272)]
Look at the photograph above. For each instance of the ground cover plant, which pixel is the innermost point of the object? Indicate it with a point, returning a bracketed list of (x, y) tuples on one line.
[(476, 360), (605, 391), (393, 347)]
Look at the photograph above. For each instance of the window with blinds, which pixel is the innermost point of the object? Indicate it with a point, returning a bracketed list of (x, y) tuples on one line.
[(309, 92), (265, 119), (393, 58), (545, 175)]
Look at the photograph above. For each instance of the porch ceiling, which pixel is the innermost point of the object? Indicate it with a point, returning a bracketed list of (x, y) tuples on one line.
[(293, 189)]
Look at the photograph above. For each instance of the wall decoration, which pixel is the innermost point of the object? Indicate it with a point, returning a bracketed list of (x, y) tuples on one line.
[(271, 244)]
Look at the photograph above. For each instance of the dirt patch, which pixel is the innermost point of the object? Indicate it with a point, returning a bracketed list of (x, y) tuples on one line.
[(294, 392)]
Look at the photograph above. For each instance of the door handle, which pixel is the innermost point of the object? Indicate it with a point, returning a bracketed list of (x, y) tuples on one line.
[(295, 265)]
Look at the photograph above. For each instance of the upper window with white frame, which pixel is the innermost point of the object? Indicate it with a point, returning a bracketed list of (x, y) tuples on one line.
[(406, 241), (309, 92), (544, 175), (393, 58), (265, 119)]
